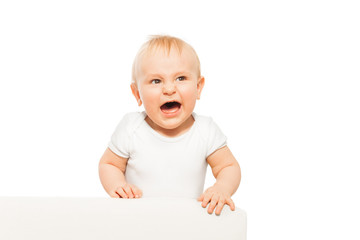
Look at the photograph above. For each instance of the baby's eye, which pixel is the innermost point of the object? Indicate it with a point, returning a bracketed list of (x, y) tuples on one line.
[(155, 81), (182, 78)]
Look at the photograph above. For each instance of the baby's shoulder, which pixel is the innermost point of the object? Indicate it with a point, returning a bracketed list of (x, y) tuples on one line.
[(133, 116), (203, 121), (131, 121), (205, 124)]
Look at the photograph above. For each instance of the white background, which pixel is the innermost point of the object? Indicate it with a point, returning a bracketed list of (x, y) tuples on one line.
[(282, 82)]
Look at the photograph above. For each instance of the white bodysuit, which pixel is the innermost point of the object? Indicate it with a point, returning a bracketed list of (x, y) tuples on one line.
[(163, 166)]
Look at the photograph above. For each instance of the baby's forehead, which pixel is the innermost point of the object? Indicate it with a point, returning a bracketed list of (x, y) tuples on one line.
[(184, 54), (166, 51), (162, 60)]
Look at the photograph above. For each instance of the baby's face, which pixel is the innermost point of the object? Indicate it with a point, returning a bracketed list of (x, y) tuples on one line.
[(168, 85)]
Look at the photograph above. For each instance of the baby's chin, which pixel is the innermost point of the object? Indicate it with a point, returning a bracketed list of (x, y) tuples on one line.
[(179, 125), (171, 126)]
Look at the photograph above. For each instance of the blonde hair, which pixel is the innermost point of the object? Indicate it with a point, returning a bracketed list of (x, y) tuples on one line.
[(165, 43)]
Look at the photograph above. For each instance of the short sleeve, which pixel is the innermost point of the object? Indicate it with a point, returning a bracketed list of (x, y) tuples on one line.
[(216, 138), (120, 139)]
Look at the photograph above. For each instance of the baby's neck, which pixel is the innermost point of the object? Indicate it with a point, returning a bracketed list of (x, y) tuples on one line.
[(183, 128)]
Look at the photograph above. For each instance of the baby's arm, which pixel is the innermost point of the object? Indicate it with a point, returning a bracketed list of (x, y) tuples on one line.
[(227, 172), (111, 170)]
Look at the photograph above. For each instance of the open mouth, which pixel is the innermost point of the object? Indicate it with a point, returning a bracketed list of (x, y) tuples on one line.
[(170, 107)]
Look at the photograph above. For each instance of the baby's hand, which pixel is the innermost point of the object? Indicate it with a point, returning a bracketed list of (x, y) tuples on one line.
[(217, 198), (127, 190)]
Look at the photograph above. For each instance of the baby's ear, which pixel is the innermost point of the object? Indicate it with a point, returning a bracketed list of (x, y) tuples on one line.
[(200, 85), (135, 92)]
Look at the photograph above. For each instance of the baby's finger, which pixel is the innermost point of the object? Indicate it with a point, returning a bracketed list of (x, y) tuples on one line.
[(114, 195), (201, 197), (128, 191), (121, 193), (230, 202), (136, 191), (206, 200), (220, 206), (212, 205)]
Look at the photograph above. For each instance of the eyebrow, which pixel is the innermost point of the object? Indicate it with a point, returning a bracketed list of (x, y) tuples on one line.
[(158, 75), (153, 76), (182, 73)]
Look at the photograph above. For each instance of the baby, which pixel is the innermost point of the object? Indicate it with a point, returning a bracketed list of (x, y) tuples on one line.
[(164, 151)]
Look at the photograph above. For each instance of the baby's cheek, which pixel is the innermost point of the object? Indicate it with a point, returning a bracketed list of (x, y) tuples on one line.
[(189, 99)]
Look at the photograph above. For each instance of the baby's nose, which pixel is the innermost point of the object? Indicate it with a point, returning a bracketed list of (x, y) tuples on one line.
[(169, 88)]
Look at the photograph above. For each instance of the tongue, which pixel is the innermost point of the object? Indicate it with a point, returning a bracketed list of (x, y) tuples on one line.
[(171, 108)]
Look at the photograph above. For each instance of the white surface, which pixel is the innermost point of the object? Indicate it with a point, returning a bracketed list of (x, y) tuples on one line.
[(114, 219), (281, 81)]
